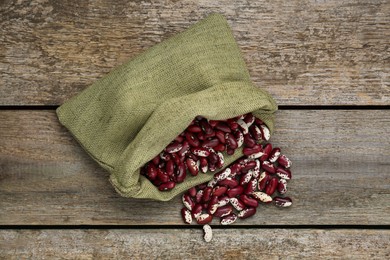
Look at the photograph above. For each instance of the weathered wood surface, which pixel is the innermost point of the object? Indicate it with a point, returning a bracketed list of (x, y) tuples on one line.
[(341, 174), (311, 52), (188, 244)]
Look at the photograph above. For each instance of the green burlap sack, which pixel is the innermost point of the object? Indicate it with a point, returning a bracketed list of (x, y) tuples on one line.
[(126, 118)]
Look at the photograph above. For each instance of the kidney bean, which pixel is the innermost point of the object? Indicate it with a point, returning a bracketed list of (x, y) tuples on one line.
[(186, 215), (196, 210), (213, 204), (239, 137), (219, 190), (251, 187), (167, 186), (213, 123), (212, 183), (272, 185), (151, 171), (194, 129), (245, 178), (184, 150), (224, 127), (192, 166), (200, 151), (223, 211), (203, 164), (265, 133), (248, 201), (223, 200), (207, 194), (249, 141), (263, 180), (246, 213), (256, 170), (282, 186), (274, 155), (243, 126), (204, 218), (255, 149), (220, 148), (229, 219), (187, 201), (201, 136), (208, 233), (212, 167), (192, 140), (261, 196), (249, 165), (179, 139), (269, 167), (173, 147), (230, 151), (237, 204), (206, 127), (229, 182), (165, 156), (181, 173), (170, 168), (176, 158), (222, 175), (220, 136), (283, 173), (255, 132), (162, 176), (156, 160), (231, 141), (267, 151), (284, 161), (192, 192), (249, 119), (283, 201), (233, 192), (199, 196), (235, 169), (221, 160), (212, 142), (232, 124)]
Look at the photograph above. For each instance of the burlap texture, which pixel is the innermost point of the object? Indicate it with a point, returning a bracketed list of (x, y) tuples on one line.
[(126, 118)]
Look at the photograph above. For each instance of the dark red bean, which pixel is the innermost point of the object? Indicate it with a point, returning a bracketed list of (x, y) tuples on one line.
[(162, 176), (184, 149), (207, 192), (230, 151), (219, 148), (181, 172), (167, 186), (231, 141), (203, 164), (249, 119), (267, 149), (151, 171), (174, 147), (269, 167), (272, 185), (179, 139), (249, 165), (229, 182), (156, 160), (219, 190), (233, 192), (224, 127), (192, 191), (249, 151), (192, 139), (194, 129), (248, 201), (212, 142), (263, 180), (223, 211), (196, 210), (169, 167), (249, 141), (221, 136)]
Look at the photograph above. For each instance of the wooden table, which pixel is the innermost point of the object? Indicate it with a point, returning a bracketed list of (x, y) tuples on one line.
[(327, 63)]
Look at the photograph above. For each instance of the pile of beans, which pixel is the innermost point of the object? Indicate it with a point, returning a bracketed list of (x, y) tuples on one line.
[(237, 191), (199, 148)]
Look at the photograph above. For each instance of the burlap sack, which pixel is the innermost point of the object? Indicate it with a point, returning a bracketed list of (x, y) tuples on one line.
[(126, 118)]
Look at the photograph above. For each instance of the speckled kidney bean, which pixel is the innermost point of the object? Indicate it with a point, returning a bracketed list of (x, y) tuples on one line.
[(274, 155), (223, 211), (283, 202), (284, 161), (248, 201), (204, 218), (186, 215), (246, 213), (283, 173)]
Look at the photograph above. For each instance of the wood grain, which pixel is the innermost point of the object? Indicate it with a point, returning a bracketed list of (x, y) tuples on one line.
[(341, 174), (311, 52), (188, 244)]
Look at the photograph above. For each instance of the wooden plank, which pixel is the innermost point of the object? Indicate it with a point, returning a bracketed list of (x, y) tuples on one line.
[(341, 174), (303, 52), (188, 244)]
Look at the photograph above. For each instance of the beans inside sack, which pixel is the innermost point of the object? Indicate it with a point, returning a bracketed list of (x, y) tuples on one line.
[(199, 148)]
